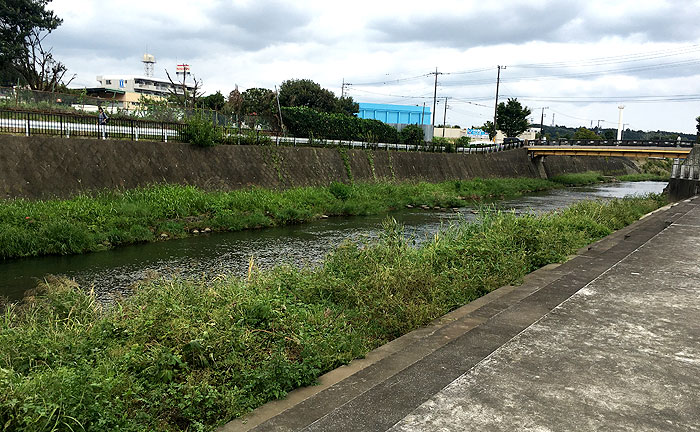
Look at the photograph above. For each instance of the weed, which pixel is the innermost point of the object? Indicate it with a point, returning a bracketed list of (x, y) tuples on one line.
[(192, 354)]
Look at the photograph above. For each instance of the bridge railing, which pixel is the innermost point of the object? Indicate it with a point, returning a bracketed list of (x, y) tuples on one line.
[(621, 143)]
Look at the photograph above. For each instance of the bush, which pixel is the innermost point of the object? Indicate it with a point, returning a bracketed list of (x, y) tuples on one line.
[(463, 142), (412, 135), (308, 123), (446, 143), (201, 132)]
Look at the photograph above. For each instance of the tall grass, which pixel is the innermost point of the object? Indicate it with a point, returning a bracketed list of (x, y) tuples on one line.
[(644, 177), (112, 218), (191, 355)]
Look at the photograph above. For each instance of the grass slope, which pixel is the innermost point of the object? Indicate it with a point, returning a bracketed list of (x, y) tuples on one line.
[(114, 218)]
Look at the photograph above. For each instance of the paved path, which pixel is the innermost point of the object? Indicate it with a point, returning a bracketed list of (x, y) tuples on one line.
[(609, 340)]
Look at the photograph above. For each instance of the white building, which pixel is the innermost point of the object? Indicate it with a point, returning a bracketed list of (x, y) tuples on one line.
[(141, 85), (127, 90)]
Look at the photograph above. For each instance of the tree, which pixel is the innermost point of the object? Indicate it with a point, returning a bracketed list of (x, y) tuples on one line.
[(489, 129), (234, 104), (259, 101), (214, 101), (511, 118), (583, 133), (189, 95), (412, 135), (346, 105), (609, 134), (24, 24), (304, 92), (262, 103)]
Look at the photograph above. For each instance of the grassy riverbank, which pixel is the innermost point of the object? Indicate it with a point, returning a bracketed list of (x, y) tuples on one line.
[(115, 218), (189, 354)]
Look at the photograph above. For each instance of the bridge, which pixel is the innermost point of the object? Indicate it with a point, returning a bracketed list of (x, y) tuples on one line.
[(626, 148)]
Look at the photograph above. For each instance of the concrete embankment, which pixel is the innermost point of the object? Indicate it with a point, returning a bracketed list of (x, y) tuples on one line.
[(42, 167)]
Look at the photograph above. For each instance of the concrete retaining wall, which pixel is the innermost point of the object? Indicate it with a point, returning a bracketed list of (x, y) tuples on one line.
[(42, 167), (685, 176)]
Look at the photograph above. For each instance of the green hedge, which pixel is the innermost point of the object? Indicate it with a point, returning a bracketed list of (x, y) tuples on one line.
[(308, 123)]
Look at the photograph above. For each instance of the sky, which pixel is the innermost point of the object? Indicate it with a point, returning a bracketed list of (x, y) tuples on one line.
[(579, 60)]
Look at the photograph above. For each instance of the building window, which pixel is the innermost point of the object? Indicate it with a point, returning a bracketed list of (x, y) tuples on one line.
[(108, 81)]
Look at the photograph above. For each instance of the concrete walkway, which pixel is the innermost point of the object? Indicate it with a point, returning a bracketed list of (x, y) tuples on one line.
[(609, 340)]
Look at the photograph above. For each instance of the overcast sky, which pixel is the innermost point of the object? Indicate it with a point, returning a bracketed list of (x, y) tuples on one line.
[(581, 59)]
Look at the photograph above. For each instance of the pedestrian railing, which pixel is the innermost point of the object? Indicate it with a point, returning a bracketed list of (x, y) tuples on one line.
[(71, 125), (80, 125)]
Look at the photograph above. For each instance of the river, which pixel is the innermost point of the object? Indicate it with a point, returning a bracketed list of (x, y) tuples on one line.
[(210, 255)]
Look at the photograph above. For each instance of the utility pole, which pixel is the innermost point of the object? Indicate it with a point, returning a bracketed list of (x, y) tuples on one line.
[(436, 73), (342, 89), (422, 114), (542, 123), (495, 108), (553, 119), (444, 119)]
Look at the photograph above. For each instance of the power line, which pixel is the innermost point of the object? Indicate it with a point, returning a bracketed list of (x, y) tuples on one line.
[(649, 55)]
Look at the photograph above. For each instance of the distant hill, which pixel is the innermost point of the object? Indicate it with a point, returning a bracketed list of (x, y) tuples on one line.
[(563, 132)]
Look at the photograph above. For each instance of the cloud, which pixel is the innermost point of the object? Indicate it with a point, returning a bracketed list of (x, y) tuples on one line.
[(551, 22), (220, 26)]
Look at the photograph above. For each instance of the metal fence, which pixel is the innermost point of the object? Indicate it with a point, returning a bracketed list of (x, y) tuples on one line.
[(69, 125), (79, 125)]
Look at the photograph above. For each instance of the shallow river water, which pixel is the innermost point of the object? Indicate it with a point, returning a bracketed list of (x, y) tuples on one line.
[(211, 255)]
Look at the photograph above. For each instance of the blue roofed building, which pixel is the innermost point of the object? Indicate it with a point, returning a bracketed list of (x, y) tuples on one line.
[(395, 114)]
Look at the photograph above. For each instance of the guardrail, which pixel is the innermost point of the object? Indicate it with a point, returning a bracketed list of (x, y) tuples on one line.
[(621, 143), (432, 148)]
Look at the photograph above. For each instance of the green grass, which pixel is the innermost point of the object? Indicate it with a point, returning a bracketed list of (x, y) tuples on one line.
[(191, 355), (580, 179), (89, 223), (644, 177)]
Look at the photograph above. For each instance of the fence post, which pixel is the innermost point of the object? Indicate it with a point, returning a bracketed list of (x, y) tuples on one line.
[(61, 132), (27, 126), (162, 128), (132, 129)]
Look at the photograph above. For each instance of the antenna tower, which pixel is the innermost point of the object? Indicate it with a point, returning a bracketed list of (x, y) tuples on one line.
[(148, 61)]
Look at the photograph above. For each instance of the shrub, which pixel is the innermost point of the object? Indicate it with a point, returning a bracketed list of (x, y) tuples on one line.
[(446, 143), (308, 123), (201, 132), (463, 141), (340, 190)]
